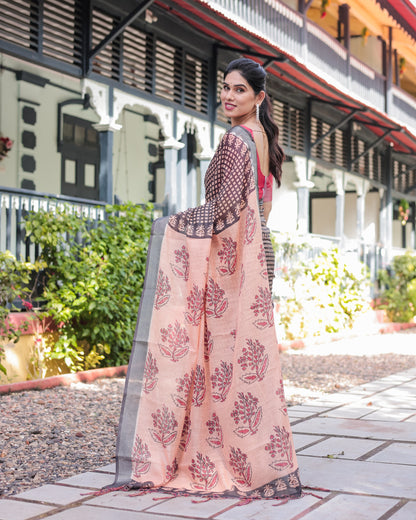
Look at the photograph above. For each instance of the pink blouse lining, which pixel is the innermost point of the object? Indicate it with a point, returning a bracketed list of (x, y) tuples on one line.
[(265, 183)]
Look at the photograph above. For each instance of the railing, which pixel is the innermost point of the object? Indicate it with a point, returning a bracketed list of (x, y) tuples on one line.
[(16, 203), (306, 248), (403, 108), (326, 54), (399, 251), (367, 83), (323, 54), (268, 18)]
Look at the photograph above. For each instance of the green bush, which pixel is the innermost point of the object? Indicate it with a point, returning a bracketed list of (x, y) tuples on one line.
[(399, 295), (93, 282), (322, 294)]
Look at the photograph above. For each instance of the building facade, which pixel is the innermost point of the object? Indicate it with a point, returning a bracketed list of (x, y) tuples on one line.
[(120, 102)]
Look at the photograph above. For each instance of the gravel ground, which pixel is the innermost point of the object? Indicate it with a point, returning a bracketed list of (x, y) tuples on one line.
[(52, 434)]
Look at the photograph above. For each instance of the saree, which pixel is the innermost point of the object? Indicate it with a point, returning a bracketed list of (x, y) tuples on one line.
[(203, 410)]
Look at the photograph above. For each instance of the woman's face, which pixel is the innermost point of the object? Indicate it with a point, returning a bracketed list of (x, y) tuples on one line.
[(238, 98)]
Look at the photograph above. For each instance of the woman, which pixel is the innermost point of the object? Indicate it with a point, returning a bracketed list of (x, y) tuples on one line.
[(203, 410)]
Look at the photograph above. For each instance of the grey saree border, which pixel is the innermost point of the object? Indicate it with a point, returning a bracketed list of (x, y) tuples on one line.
[(134, 377), (245, 135)]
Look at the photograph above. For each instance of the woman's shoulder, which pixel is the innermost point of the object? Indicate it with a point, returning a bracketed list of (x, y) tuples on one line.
[(240, 132), (235, 141)]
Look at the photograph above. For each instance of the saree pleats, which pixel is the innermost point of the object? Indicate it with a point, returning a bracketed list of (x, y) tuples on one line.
[(204, 410)]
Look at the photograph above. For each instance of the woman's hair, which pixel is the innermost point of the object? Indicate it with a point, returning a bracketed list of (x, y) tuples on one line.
[(255, 76)]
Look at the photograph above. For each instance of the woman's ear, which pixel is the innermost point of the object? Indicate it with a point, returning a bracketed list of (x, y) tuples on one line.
[(260, 97)]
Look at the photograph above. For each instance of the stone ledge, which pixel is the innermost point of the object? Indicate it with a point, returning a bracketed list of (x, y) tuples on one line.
[(87, 376)]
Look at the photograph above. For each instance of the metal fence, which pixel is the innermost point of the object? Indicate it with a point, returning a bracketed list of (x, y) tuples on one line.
[(292, 250), (15, 204)]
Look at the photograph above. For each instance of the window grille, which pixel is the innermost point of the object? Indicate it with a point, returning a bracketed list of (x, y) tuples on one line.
[(137, 59), (62, 31), (376, 169), (168, 72), (281, 118), (20, 23), (297, 129), (402, 177), (290, 121), (220, 112), (107, 61), (338, 143), (196, 84)]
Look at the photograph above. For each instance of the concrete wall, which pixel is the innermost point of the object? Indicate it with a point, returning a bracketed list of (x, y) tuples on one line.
[(323, 216), (283, 216), (369, 52), (131, 144)]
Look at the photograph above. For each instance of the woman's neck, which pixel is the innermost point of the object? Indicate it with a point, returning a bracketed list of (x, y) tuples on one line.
[(246, 120)]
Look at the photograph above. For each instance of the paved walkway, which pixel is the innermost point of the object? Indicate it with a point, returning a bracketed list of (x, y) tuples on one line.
[(359, 445)]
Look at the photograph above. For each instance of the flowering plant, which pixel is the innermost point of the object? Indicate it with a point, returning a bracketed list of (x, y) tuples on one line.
[(365, 33), (404, 211), (5, 146), (324, 5)]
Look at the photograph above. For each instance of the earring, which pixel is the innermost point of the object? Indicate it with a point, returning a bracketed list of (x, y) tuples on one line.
[(257, 112)]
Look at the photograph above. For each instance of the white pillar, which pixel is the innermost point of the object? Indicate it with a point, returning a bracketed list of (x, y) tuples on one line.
[(182, 176), (338, 177), (170, 199), (204, 159), (304, 171), (362, 186)]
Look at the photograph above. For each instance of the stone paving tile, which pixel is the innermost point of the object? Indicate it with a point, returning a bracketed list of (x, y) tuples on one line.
[(184, 506), (123, 500), (300, 440), (308, 407), (352, 411), (357, 391), (101, 513), (389, 414), (346, 507), (382, 430), (354, 476), (375, 386), (342, 448), (397, 453), (18, 510), (398, 392), (388, 401), (395, 378), (296, 414), (53, 494), (407, 512), (410, 385), (110, 468), (334, 399), (90, 479), (269, 510)]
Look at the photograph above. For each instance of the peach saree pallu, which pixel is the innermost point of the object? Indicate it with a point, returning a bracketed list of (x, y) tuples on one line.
[(204, 410)]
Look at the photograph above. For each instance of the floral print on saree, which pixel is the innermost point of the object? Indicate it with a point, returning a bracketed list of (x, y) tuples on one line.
[(204, 410)]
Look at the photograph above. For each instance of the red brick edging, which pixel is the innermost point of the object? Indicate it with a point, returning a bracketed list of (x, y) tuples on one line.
[(91, 375), (64, 380)]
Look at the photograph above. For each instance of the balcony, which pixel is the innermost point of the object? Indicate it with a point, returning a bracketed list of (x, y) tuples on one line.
[(403, 108), (322, 54)]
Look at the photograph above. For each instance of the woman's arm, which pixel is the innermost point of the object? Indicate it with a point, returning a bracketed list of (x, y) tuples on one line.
[(267, 196)]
